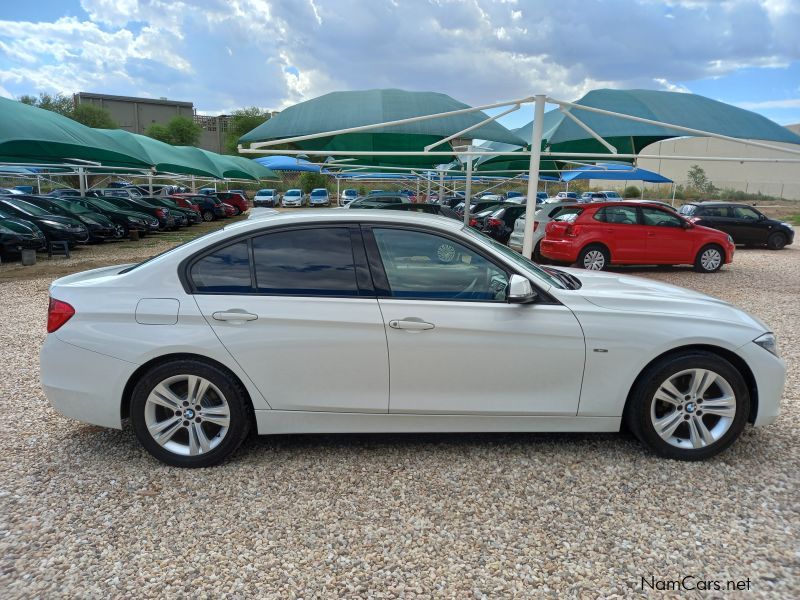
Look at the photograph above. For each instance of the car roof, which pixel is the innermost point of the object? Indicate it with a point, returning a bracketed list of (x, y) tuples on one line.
[(718, 203)]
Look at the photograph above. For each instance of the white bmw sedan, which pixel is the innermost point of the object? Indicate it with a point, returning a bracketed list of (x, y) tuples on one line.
[(369, 321)]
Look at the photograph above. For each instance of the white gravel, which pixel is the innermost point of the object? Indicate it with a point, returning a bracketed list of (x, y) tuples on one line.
[(84, 512)]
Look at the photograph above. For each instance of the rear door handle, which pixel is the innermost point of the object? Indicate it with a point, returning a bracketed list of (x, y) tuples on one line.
[(410, 324), (234, 315)]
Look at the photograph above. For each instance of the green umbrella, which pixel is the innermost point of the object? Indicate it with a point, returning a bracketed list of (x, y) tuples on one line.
[(344, 110), (33, 135), (561, 134)]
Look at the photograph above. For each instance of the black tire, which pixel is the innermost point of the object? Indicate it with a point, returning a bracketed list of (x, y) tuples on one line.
[(208, 216), (776, 240), (704, 262), (240, 419), (638, 415), (237, 211), (537, 253), (595, 255)]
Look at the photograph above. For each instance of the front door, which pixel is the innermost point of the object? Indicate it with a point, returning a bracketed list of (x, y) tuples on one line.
[(456, 346), (292, 310), (667, 239), (748, 226)]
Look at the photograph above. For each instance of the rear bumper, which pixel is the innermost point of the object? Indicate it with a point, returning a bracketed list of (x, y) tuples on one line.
[(84, 385), (559, 250)]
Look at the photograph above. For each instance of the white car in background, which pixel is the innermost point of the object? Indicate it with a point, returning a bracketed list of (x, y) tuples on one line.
[(543, 216), (319, 197), (347, 196), (293, 197), (338, 299), (267, 197)]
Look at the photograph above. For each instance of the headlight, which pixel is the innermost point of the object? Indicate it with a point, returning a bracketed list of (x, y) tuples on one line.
[(89, 221), (730, 239), (768, 343), (789, 225), (56, 224), (135, 221)]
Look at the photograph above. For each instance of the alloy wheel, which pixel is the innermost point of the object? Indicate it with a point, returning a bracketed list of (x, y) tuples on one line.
[(594, 260), (187, 415), (711, 259), (693, 408)]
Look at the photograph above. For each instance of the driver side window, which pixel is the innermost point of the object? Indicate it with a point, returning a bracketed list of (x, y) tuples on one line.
[(426, 266)]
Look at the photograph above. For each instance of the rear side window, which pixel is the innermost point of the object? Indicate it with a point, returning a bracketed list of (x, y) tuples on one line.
[(619, 215), (316, 262), (687, 209), (225, 271), (568, 214)]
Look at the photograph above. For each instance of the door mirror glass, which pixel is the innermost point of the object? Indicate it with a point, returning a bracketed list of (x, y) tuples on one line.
[(520, 290)]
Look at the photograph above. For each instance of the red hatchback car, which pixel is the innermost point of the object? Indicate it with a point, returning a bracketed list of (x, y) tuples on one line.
[(236, 200), (633, 233)]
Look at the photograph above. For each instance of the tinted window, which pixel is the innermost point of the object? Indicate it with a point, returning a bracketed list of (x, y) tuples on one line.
[(226, 270), (743, 212), (306, 261), (620, 215), (688, 209), (424, 265), (568, 213), (713, 211), (660, 218)]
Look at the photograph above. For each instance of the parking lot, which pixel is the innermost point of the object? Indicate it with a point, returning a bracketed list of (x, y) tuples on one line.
[(87, 513)]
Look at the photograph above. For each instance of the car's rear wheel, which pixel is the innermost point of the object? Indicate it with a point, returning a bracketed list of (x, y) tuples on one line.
[(689, 406), (709, 259), (776, 241), (236, 211), (594, 258), (208, 216), (188, 413)]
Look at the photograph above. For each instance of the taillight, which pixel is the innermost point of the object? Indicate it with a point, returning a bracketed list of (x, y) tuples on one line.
[(58, 313), (572, 230), (494, 222), (161, 212), (535, 225), (473, 222)]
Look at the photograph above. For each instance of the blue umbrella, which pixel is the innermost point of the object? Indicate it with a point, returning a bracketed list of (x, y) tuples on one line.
[(614, 172)]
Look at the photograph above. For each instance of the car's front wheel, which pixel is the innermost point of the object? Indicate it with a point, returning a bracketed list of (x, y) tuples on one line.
[(709, 259), (208, 216), (189, 413), (776, 241), (689, 406)]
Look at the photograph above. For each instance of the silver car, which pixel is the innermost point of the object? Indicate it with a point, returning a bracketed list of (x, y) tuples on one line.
[(543, 217)]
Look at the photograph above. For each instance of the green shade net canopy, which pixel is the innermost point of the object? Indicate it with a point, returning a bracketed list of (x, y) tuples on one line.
[(31, 135), (343, 110), (237, 167), (561, 134)]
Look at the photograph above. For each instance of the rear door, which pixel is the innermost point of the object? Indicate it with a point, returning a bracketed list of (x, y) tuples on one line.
[(296, 309), (667, 240)]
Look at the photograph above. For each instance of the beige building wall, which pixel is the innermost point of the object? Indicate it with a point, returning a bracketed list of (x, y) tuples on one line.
[(775, 179)]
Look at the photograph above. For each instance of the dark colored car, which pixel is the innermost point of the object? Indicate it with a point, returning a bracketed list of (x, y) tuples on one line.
[(500, 222), (55, 227), (478, 219), (100, 227), (166, 219), (451, 201), (477, 206), (18, 234), (378, 199), (185, 216), (210, 206), (62, 192), (743, 223), (430, 209), (127, 219), (235, 199)]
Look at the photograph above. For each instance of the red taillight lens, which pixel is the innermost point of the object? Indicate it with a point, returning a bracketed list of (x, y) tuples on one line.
[(473, 222), (58, 313), (535, 225), (160, 212), (494, 222), (196, 207)]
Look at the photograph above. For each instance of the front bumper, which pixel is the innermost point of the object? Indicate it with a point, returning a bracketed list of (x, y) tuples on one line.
[(82, 384), (770, 375), (291, 203), (16, 244)]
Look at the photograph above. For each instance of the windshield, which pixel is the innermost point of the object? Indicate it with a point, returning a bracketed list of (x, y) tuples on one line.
[(28, 208), (293, 193), (103, 204), (350, 192), (74, 207), (318, 193), (265, 193), (517, 259)]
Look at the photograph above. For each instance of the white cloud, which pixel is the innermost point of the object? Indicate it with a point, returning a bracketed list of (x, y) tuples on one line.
[(768, 104), (671, 87)]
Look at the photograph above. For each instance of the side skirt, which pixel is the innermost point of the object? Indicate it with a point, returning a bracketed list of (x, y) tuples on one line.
[(272, 422)]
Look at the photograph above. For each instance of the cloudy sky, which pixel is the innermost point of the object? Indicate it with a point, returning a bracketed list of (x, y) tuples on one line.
[(226, 54)]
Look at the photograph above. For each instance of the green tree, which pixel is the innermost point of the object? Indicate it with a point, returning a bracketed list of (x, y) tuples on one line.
[(699, 181), (179, 131), (310, 180), (632, 191), (243, 121), (58, 103), (93, 116)]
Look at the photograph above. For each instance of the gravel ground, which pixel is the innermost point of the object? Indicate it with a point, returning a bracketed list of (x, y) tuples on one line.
[(85, 513)]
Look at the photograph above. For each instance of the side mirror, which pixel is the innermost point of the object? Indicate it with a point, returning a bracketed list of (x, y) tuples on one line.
[(520, 290), (762, 217), (687, 225)]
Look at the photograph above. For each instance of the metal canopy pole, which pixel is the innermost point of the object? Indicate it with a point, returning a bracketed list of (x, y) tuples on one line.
[(428, 192), (82, 180), (150, 183), (441, 185), (468, 191), (533, 174), (338, 195)]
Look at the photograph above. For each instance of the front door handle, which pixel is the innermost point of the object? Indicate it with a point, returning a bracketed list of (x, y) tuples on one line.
[(234, 315), (410, 324)]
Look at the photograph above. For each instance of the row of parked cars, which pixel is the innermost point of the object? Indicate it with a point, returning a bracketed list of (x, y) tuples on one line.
[(29, 221)]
